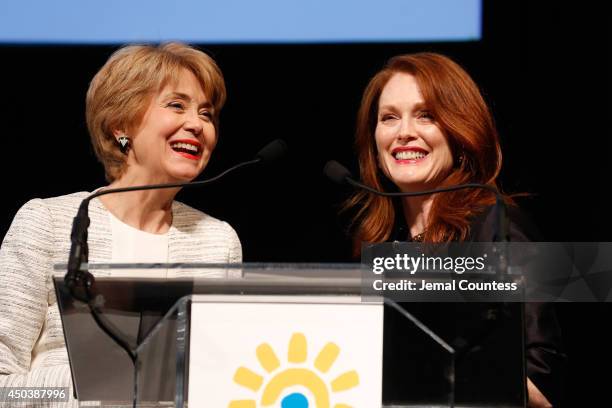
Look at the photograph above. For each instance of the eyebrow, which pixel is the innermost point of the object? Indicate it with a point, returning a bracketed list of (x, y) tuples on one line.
[(416, 107), (386, 107), (185, 97)]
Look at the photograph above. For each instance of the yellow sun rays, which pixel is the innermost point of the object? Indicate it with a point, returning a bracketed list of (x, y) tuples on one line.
[(297, 349), (248, 378), (345, 381), (267, 358), (297, 353), (326, 357)]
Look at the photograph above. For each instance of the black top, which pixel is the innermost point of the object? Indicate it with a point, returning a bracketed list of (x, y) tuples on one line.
[(545, 360)]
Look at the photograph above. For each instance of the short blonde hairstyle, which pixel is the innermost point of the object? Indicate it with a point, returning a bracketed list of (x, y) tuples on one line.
[(121, 91)]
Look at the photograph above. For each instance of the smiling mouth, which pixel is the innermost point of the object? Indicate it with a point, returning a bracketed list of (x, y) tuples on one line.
[(188, 150), (410, 155)]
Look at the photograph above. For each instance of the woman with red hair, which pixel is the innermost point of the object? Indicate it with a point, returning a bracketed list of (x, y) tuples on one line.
[(423, 124)]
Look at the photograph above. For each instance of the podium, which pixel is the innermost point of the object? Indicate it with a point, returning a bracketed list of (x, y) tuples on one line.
[(281, 335)]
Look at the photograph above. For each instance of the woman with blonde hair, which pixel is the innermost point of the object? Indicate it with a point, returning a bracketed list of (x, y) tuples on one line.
[(153, 117)]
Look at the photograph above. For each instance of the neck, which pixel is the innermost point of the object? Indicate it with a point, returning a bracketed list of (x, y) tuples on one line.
[(147, 210), (416, 213)]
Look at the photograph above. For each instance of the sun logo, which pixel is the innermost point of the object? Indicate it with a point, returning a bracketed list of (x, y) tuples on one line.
[(297, 375)]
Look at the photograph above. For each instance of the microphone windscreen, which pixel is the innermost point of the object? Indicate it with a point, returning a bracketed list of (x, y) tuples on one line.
[(336, 172), (273, 150)]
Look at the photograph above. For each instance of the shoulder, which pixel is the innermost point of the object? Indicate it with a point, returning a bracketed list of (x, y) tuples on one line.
[(32, 223), (64, 203), (199, 237), (40, 225), (483, 226), (187, 218), (41, 212)]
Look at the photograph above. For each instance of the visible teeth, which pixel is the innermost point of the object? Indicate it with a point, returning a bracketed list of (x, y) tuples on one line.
[(409, 155), (186, 146)]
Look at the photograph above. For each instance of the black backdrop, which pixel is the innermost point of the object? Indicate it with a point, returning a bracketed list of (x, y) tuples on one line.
[(543, 67)]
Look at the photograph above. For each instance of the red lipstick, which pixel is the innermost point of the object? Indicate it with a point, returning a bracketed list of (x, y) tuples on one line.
[(185, 152), (417, 154)]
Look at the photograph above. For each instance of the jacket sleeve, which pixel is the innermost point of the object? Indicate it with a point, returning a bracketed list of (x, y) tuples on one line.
[(25, 265), (546, 361), (235, 248)]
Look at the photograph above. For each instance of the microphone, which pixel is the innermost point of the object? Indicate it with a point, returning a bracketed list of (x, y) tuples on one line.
[(336, 172), (273, 151), (495, 315), (75, 277), (341, 175)]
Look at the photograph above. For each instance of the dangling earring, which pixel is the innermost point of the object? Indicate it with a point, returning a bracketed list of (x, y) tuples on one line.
[(124, 143), (460, 159)]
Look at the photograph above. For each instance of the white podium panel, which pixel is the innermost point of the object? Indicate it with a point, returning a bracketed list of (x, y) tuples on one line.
[(285, 351)]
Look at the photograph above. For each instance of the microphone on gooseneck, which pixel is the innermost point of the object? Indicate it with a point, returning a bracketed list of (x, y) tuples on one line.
[(75, 277), (337, 172), (272, 151), (341, 175), (494, 317)]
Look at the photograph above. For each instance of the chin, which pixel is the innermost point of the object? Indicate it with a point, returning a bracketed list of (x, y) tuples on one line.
[(183, 173), (404, 180), (182, 177), (408, 184), (187, 177)]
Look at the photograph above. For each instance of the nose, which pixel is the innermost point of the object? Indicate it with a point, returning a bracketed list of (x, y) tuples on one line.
[(407, 130), (193, 122)]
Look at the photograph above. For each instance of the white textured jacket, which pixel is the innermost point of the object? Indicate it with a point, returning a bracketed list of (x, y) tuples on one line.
[(32, 349)]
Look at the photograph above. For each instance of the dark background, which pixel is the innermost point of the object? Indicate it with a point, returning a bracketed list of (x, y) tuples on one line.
[(543, 67)]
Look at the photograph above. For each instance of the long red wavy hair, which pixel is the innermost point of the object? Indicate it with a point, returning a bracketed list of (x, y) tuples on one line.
[(464, 117)]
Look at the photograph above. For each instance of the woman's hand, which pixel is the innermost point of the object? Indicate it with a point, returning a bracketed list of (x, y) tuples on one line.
[(536, 398)]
